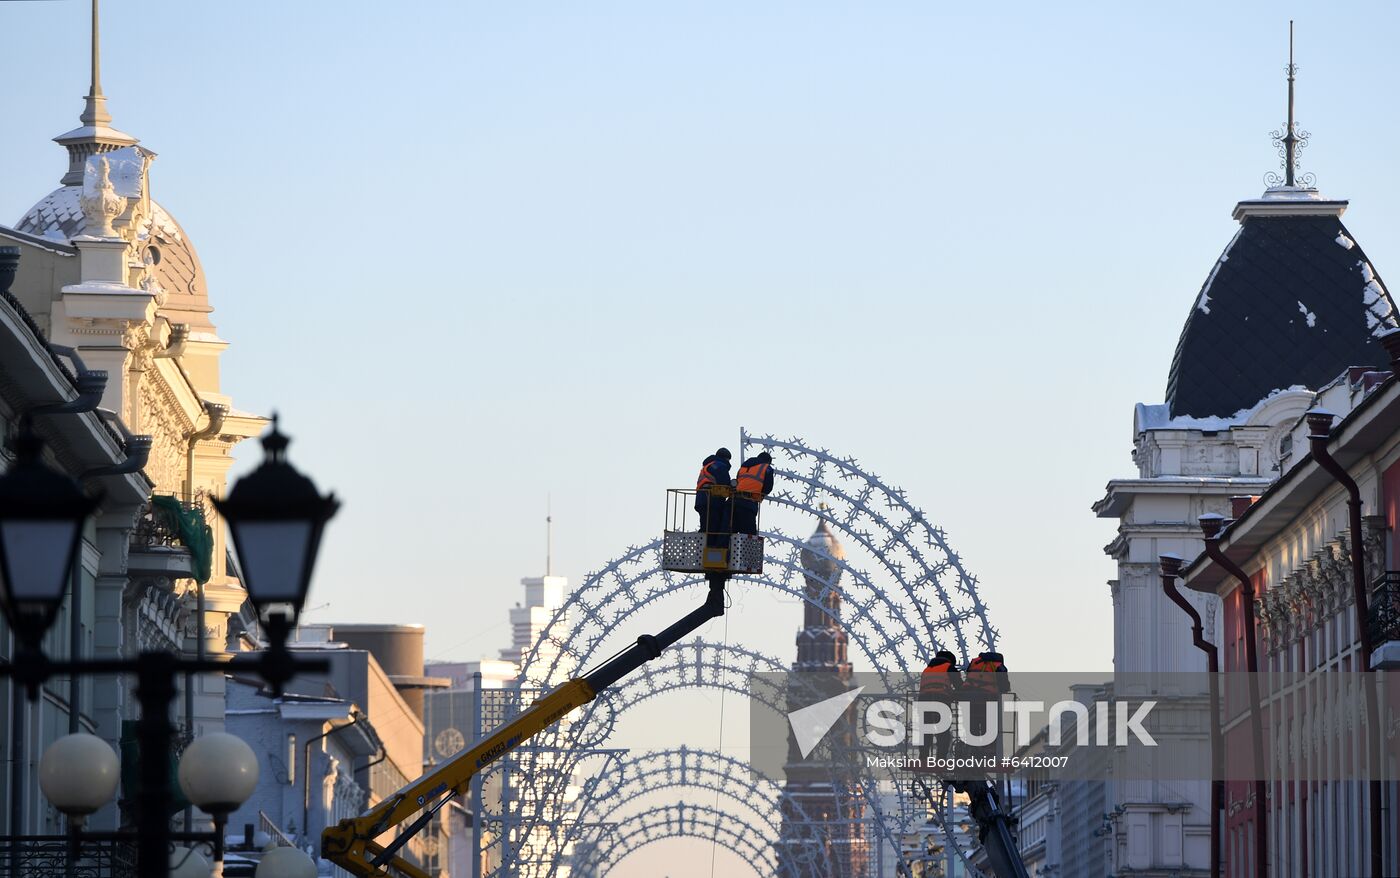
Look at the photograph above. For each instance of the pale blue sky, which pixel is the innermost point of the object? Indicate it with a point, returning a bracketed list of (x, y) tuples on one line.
[(477, 254)]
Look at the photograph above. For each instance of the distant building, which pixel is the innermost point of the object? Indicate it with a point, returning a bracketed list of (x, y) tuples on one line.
[(339, 743), (457, 715)]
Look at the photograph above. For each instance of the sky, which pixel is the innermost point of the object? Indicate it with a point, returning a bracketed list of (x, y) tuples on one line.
[(488, 257)]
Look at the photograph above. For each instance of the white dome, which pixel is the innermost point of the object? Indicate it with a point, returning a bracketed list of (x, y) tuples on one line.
[(160, 240)]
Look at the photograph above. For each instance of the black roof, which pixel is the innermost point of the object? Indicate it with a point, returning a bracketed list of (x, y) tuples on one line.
[(1292, 300)]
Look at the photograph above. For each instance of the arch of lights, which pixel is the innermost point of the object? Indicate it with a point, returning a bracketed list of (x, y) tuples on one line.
[(678, 820), (628, 780), (921, 599)]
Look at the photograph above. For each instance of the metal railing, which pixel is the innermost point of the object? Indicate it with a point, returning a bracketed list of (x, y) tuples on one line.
[(157, 527), (1384, 621), (41, 856), (274, 832)]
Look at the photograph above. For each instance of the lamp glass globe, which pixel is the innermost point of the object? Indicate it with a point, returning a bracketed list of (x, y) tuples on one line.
[(218, 772), (285, 862), (188, 863), (78, 773)]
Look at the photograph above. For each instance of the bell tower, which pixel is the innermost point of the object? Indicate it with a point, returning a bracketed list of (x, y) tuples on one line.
[(822, 833)]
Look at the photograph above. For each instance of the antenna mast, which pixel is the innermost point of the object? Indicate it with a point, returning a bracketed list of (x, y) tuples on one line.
[(548, 536)]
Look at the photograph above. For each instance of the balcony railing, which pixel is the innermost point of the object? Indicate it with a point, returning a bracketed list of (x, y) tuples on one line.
[(46, 856), (168, 522), (1384, 623)]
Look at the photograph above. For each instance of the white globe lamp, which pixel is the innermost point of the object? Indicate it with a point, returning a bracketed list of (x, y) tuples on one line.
[(78, 773), (188, 863), (285, 862), (218, 772)]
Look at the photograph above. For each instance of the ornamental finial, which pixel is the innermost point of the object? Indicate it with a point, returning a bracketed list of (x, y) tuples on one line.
[(1290, 140)]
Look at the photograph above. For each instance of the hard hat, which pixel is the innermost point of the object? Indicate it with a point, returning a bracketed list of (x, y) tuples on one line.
[(946, 656), (765, 457), (724, 453)]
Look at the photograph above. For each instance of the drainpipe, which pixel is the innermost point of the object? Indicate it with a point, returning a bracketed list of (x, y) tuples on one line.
[(136, 446), (1211, 527), (175, 344), (306, 772), (216, 412), (1320, 431), (1171, 569)]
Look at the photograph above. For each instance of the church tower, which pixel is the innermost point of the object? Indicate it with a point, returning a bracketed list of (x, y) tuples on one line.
[(822, 834)]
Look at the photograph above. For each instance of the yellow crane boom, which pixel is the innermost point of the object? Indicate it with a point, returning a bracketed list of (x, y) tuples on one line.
[(351, 844)]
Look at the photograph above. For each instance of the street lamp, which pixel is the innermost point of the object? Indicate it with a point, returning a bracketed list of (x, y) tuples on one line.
[(276, 517), (218, 772), (41, 522), (78, 773)]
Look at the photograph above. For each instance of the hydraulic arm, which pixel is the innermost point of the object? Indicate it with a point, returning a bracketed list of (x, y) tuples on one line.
[(352, 844)]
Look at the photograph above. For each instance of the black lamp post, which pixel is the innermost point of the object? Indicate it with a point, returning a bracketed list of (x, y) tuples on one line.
[(276, 518)]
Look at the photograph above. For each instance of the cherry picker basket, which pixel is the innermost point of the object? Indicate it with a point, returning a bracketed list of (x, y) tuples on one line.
[(687, 548)]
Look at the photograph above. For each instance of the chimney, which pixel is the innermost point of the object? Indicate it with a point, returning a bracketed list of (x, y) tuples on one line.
[(1240, 504)]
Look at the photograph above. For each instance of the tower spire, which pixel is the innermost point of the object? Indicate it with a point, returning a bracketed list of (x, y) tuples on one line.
[(95, 86), (95, 135), (1290, 137)]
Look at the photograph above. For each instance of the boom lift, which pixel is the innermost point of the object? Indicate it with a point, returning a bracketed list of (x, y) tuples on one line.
[(353, 844)]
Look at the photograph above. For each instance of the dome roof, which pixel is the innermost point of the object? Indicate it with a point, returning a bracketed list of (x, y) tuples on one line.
[(160, 242), (1293, 300)]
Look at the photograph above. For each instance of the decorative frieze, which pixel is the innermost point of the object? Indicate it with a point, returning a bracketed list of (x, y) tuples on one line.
[(1314, 592)]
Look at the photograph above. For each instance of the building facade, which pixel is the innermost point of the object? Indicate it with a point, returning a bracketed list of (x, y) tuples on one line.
[(112, 353), (1295, 545), (1291, 303)]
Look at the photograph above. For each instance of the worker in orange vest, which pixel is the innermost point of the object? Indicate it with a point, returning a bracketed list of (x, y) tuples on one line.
[(939, 682), (713, 509), (985, 682), (755, 481)]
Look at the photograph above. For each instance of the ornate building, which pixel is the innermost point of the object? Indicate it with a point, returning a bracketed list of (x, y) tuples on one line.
[(111, 284), (1289, 305), (823, 833)]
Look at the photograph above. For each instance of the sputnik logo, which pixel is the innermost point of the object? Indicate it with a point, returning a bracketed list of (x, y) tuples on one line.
[(811, 723)]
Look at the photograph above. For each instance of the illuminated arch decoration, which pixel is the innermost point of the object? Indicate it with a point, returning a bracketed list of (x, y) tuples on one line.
[(920, 598)]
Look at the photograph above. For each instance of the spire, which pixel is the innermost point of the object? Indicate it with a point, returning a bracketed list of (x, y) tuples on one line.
[(96, 110), (95, 135), (1290, 140)]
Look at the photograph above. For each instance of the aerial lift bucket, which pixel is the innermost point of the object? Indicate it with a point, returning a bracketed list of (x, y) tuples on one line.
[(717, 549)]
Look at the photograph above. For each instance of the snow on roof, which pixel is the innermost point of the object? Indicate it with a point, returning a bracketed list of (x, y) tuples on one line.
[(1203, 302), (1158, 417)]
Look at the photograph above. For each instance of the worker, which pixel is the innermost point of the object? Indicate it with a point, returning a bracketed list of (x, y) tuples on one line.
[(939, 683), (985, 682), (713, 507), (755, 482)]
